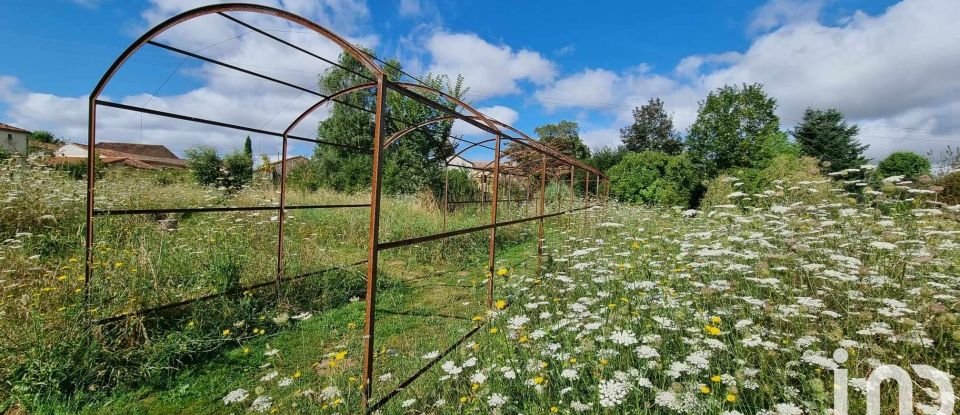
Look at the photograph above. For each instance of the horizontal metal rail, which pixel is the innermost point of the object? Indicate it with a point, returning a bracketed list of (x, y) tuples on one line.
[(222, 124), (421, 239), (107, 212), (488, 201), (177, 304)]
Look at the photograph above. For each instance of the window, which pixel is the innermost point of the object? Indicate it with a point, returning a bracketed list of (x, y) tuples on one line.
[(9, 137)]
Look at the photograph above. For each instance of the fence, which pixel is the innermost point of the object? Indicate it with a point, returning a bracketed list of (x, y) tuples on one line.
[(532, 167)]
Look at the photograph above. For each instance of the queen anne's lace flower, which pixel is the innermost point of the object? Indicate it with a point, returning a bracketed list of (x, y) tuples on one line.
[(612, 392)]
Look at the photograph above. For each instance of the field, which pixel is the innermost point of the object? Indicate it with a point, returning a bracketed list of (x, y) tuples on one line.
[(736, 308)]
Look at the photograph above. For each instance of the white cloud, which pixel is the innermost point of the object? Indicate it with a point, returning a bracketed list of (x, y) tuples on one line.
[(590, 88), (500, 113), (489, 70), (595, 138)]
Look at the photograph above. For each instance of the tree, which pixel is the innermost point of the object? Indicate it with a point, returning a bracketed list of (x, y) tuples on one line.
[(415, 161), (204, 164), (655, 178), (908, 164), (248, 149), (736, 127), (563, 137), (652, 129), (42, 136), (606, 157), (824, 134)]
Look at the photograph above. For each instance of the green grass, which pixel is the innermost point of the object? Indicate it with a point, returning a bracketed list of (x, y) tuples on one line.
[(54, 365)]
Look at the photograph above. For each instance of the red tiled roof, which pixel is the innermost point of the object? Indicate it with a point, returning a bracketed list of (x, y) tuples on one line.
[(8, 127), (114, 153), (149, 150)]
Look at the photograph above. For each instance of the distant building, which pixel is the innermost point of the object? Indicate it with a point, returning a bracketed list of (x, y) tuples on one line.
[(13, 139), (273, 172), (141, 156)]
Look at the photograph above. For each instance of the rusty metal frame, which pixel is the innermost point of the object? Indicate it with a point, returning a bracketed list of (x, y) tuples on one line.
[(455, 110)]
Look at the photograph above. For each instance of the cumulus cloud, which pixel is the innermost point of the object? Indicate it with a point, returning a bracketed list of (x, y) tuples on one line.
[(500, 113), (489, 70), (590, 88), (893, 73)]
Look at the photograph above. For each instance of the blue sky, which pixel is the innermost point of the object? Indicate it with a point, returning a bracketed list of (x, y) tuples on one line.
[(889, 65)]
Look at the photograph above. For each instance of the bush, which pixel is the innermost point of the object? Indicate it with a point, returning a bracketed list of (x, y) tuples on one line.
[(460, 187), (237, 170), (904, 163), (653, 178), (781, 179), (78, 170), (204, 163)]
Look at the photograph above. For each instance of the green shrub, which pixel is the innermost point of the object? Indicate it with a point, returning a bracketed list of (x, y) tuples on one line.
[(78, 170), (653, 178), (459, 187), (4, 154), (204, 163), (786, 179), (237, 170), (904, 163)]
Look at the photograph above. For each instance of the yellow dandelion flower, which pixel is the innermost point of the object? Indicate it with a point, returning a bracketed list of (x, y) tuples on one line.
[(731, 398), (502, 272), (226, 332), (539, 380), (494, 330), (704, 389), (554, 409), (715, 378), (501, 304), (715, 319), (341, 355), (712, 330)]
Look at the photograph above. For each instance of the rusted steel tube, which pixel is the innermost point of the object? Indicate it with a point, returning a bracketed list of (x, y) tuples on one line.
[(492, 252), (373, 253), (543, 187)]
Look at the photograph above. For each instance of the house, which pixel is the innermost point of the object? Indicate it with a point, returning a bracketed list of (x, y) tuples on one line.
[(141, 156), (13, 139)]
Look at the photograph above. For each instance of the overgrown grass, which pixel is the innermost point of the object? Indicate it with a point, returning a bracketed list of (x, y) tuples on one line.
[(50, 358)]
